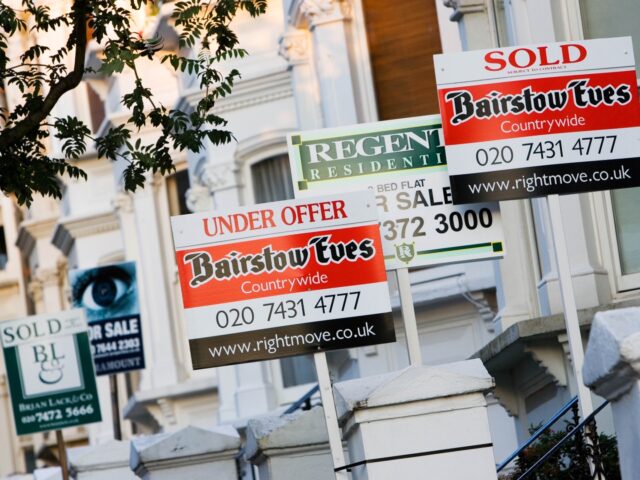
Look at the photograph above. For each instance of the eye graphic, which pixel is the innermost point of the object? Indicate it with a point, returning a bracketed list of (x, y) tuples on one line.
[(106, 292), (103, 292)]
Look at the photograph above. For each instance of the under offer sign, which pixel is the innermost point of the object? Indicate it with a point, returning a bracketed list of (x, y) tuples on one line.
[(403, 162), (280, 279), (50, 372), (529, 121)]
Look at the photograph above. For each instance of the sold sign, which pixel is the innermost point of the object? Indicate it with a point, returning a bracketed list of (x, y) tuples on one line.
[(530, 121)]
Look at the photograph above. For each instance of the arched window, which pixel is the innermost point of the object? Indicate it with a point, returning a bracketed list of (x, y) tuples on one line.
[(271, 180)]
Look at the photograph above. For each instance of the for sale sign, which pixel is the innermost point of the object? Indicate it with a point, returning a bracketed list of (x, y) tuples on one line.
[(404, 163), (529, 121), (109, 295), (50, 372), (284, 278)]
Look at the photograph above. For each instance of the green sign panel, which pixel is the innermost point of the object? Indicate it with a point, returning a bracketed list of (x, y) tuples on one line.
[(50, 372), (380, 149)]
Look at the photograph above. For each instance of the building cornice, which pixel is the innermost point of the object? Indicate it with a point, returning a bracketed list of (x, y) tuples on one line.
[(249, 92), (31, 231), (69, 229)]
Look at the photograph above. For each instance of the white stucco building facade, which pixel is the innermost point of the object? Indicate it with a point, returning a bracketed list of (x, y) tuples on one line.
[(314, 64)]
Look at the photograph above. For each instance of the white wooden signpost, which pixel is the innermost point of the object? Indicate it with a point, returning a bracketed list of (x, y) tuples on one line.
[(549, 119)]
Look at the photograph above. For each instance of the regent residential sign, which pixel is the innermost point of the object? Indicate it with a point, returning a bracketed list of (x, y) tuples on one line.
[(50, 372), (282, 278), (403, 162), (529, 121), (109, 295)]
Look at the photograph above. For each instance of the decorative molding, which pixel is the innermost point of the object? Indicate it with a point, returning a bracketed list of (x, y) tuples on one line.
[(32, 230), (199, 198), (248, 92), (122, 202), (69, 229), (167, 408), (551, 358), (461, 7), (35, 290), (153, 181), (48, 277), (259, 147), (294, 47), (219, 176), (479, 300), (311, 13)]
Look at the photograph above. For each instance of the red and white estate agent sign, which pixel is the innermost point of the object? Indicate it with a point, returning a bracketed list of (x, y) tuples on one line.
[(274, 280), (529, 121)]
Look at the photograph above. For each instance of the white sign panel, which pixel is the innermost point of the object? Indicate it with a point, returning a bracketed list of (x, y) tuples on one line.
[(271, 280), (529, 121), (404, 163)]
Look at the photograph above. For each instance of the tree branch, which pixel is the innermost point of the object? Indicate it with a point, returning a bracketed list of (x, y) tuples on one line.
[(10, 136)]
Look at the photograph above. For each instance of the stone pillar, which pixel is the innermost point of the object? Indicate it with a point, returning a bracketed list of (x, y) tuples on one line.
[(295, 48), (326, 21), (154, 291), (419, 422), (101, 462), (517, 276), (191, 453), (51, 281), (281, 444), (612, 370)]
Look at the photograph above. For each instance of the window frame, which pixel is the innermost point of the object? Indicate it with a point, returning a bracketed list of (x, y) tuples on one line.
[(601, 203), (621, 285)]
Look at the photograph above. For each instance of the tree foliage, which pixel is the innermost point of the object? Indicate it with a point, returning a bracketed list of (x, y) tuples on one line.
[(44, 73)]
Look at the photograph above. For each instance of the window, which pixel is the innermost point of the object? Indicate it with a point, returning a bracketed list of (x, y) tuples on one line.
[(612, 18), (3, 250), (616, 18), (177, 186), (272, 182), (96, 109), (501, 22), (627, 221)]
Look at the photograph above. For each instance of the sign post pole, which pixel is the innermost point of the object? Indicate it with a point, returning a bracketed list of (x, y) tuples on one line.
[(569, 302), (409, 316), (115, 407), (330, 416), (62, 453)]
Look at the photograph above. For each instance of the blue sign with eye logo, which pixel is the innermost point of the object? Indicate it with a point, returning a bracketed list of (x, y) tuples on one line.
[(109, 296)]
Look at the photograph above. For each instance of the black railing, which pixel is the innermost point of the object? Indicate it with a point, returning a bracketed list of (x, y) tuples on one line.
[(588, 464), (304, 402), (559, 414)]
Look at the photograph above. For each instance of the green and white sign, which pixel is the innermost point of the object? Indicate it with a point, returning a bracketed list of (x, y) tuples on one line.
[(50, 371), (404, 163)]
